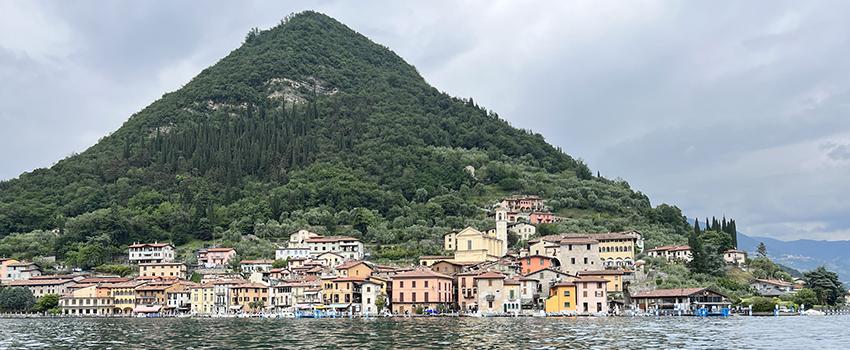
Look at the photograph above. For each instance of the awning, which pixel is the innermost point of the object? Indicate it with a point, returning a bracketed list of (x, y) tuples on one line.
[(147, 309), (236, 307), (339, 306)]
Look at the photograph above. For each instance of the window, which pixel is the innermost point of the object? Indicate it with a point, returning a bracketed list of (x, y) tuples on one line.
[(468, 245), (426, 284), (585, 260), (413, 297), (573, 261), (566, 293), (400, 296), (489, 283), (426, 297), (566, 304), (599, 285), (414, 284), (401, 284)]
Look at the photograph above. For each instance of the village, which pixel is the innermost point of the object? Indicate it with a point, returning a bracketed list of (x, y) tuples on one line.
[(315, 276)]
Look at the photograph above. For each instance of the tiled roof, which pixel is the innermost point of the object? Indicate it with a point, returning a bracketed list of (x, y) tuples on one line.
[(435, 257), (490, 275), (152, 245), (38, 282), (509, 282), (420, 274), (590, 280), (670, 248), (220, 249), (330, 239), (601, 272), (668, 293), (257, 262), (351, 263)]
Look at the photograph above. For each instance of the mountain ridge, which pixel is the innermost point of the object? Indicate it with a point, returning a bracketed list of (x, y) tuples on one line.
[(310, 124)]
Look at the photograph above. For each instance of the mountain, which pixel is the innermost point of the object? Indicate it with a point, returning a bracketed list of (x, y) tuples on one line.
[(803, 254), (307, 125)]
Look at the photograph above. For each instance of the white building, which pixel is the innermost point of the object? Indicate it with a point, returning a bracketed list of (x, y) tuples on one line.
[(348, 247), (140, 253), (21, 271), (681, 253), (285, 253)]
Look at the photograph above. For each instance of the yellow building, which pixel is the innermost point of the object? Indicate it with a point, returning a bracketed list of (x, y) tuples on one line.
[(203, 299), (562, 298), (471, 245), (249, 297), (163, 269), (124, 296), (616, 249), (152, 293), (87, 301), (355, 268)]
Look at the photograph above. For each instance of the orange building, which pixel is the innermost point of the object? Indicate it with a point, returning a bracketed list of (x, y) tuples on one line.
[(423, 289), (532, 263), (249, 297)]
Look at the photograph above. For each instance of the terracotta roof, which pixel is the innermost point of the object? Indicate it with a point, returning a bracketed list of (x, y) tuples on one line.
[(127, 284), (524, 279), (601, 272), (22, 264), (420, 274), (775, 282), (349, 279), (38, 282), (103, 280), (490, 275), (590, 280), (162, 264), (154, 286), (668, 293), (547, 269), (329, 239), (564, 284), (509, 282), (435, 257), (250, 285), (351, 263), (669, 248), (55, 277), (152, 245)]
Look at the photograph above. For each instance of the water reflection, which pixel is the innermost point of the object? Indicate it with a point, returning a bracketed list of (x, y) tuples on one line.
[(431, 333)]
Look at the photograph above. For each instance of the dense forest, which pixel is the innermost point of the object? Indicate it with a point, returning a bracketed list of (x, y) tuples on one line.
[(307, 125)]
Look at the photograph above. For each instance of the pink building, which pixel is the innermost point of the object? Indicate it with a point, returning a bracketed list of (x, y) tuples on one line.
[(213, 257), (423, 289), (541, 218), (592, 295)]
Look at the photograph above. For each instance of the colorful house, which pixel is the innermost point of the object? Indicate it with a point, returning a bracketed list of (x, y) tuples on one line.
[(562, 299), (215, 257), (614, 278), (421, 289), (531, 263)]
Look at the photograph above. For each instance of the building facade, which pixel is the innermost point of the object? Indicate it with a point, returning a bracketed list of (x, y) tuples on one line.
[(140, 253)]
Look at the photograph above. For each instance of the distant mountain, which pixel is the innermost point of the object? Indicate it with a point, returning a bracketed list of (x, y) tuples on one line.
[(804, 254)]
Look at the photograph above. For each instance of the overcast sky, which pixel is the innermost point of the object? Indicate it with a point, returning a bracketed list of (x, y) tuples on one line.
[(737, 108)]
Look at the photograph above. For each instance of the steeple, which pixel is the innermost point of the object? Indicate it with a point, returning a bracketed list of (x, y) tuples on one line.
[(502, 228)]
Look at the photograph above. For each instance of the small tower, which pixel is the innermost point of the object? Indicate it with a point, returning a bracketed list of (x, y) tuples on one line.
[(502, 228)]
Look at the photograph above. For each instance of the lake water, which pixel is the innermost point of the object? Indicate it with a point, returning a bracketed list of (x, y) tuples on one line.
[(819, 333)]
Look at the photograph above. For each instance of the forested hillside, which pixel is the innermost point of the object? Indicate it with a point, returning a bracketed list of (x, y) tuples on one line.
[(307, 124)]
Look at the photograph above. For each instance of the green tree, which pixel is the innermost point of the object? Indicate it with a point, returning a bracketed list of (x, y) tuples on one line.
[(761, 250), (381, 301), (115, 269), (16, 299), (825, 283), (806, 297), (46, 303), (280, 263)]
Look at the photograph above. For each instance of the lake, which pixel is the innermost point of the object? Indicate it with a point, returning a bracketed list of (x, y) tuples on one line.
[(828, 332)]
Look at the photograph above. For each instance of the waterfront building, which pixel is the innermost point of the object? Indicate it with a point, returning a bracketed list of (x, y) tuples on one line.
[(223, 295), (420, 289), (370, 291), (562, 299), (771, 287), (202, 299), (467, 292), (249, 297), (592, 295), (530, 296), (43, 286), (677, 253), (614, 278), (735, 257), (124, 296), (152, 295), (179, 297), (547, 277), (93, 300), (215, 257), (497, 293), (471, 245), (295, 295), (684, 300), (140, 253), (163, 269)]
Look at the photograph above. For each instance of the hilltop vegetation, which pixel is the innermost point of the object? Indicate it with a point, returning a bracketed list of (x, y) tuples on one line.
[(307, 125)]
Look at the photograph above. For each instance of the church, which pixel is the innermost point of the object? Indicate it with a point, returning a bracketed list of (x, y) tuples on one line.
[(471, 246)]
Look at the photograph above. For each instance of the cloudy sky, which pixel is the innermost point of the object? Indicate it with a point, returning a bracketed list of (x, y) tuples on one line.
[(735, 108)]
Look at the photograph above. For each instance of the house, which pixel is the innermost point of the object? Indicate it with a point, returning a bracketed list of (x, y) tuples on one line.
[(252, 266), (294, 295), (43, 286), (615, 249), (467, 292), (547, 277), (735, 257), (222, 290), (592, 295), (354, 268), (179, 297), (326, 259), (450, 267), (4, 263), (428, 260), (497, 293), (541, 217), (562, 299), (523, 229), (21, 270), (215, 257), (124, 296), (163, 269), (349, 248), (420, 289), (573, 253), (680, 300), (202, 299), (288, 253), (523, 203), (343, 293), (296, 240), (614, 278), (249, 297), (531, 263), (370, 292), (772, 288), (529, 297), (88, 301), (677, 253), (472, 245), (141, 253), (152, 294)]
